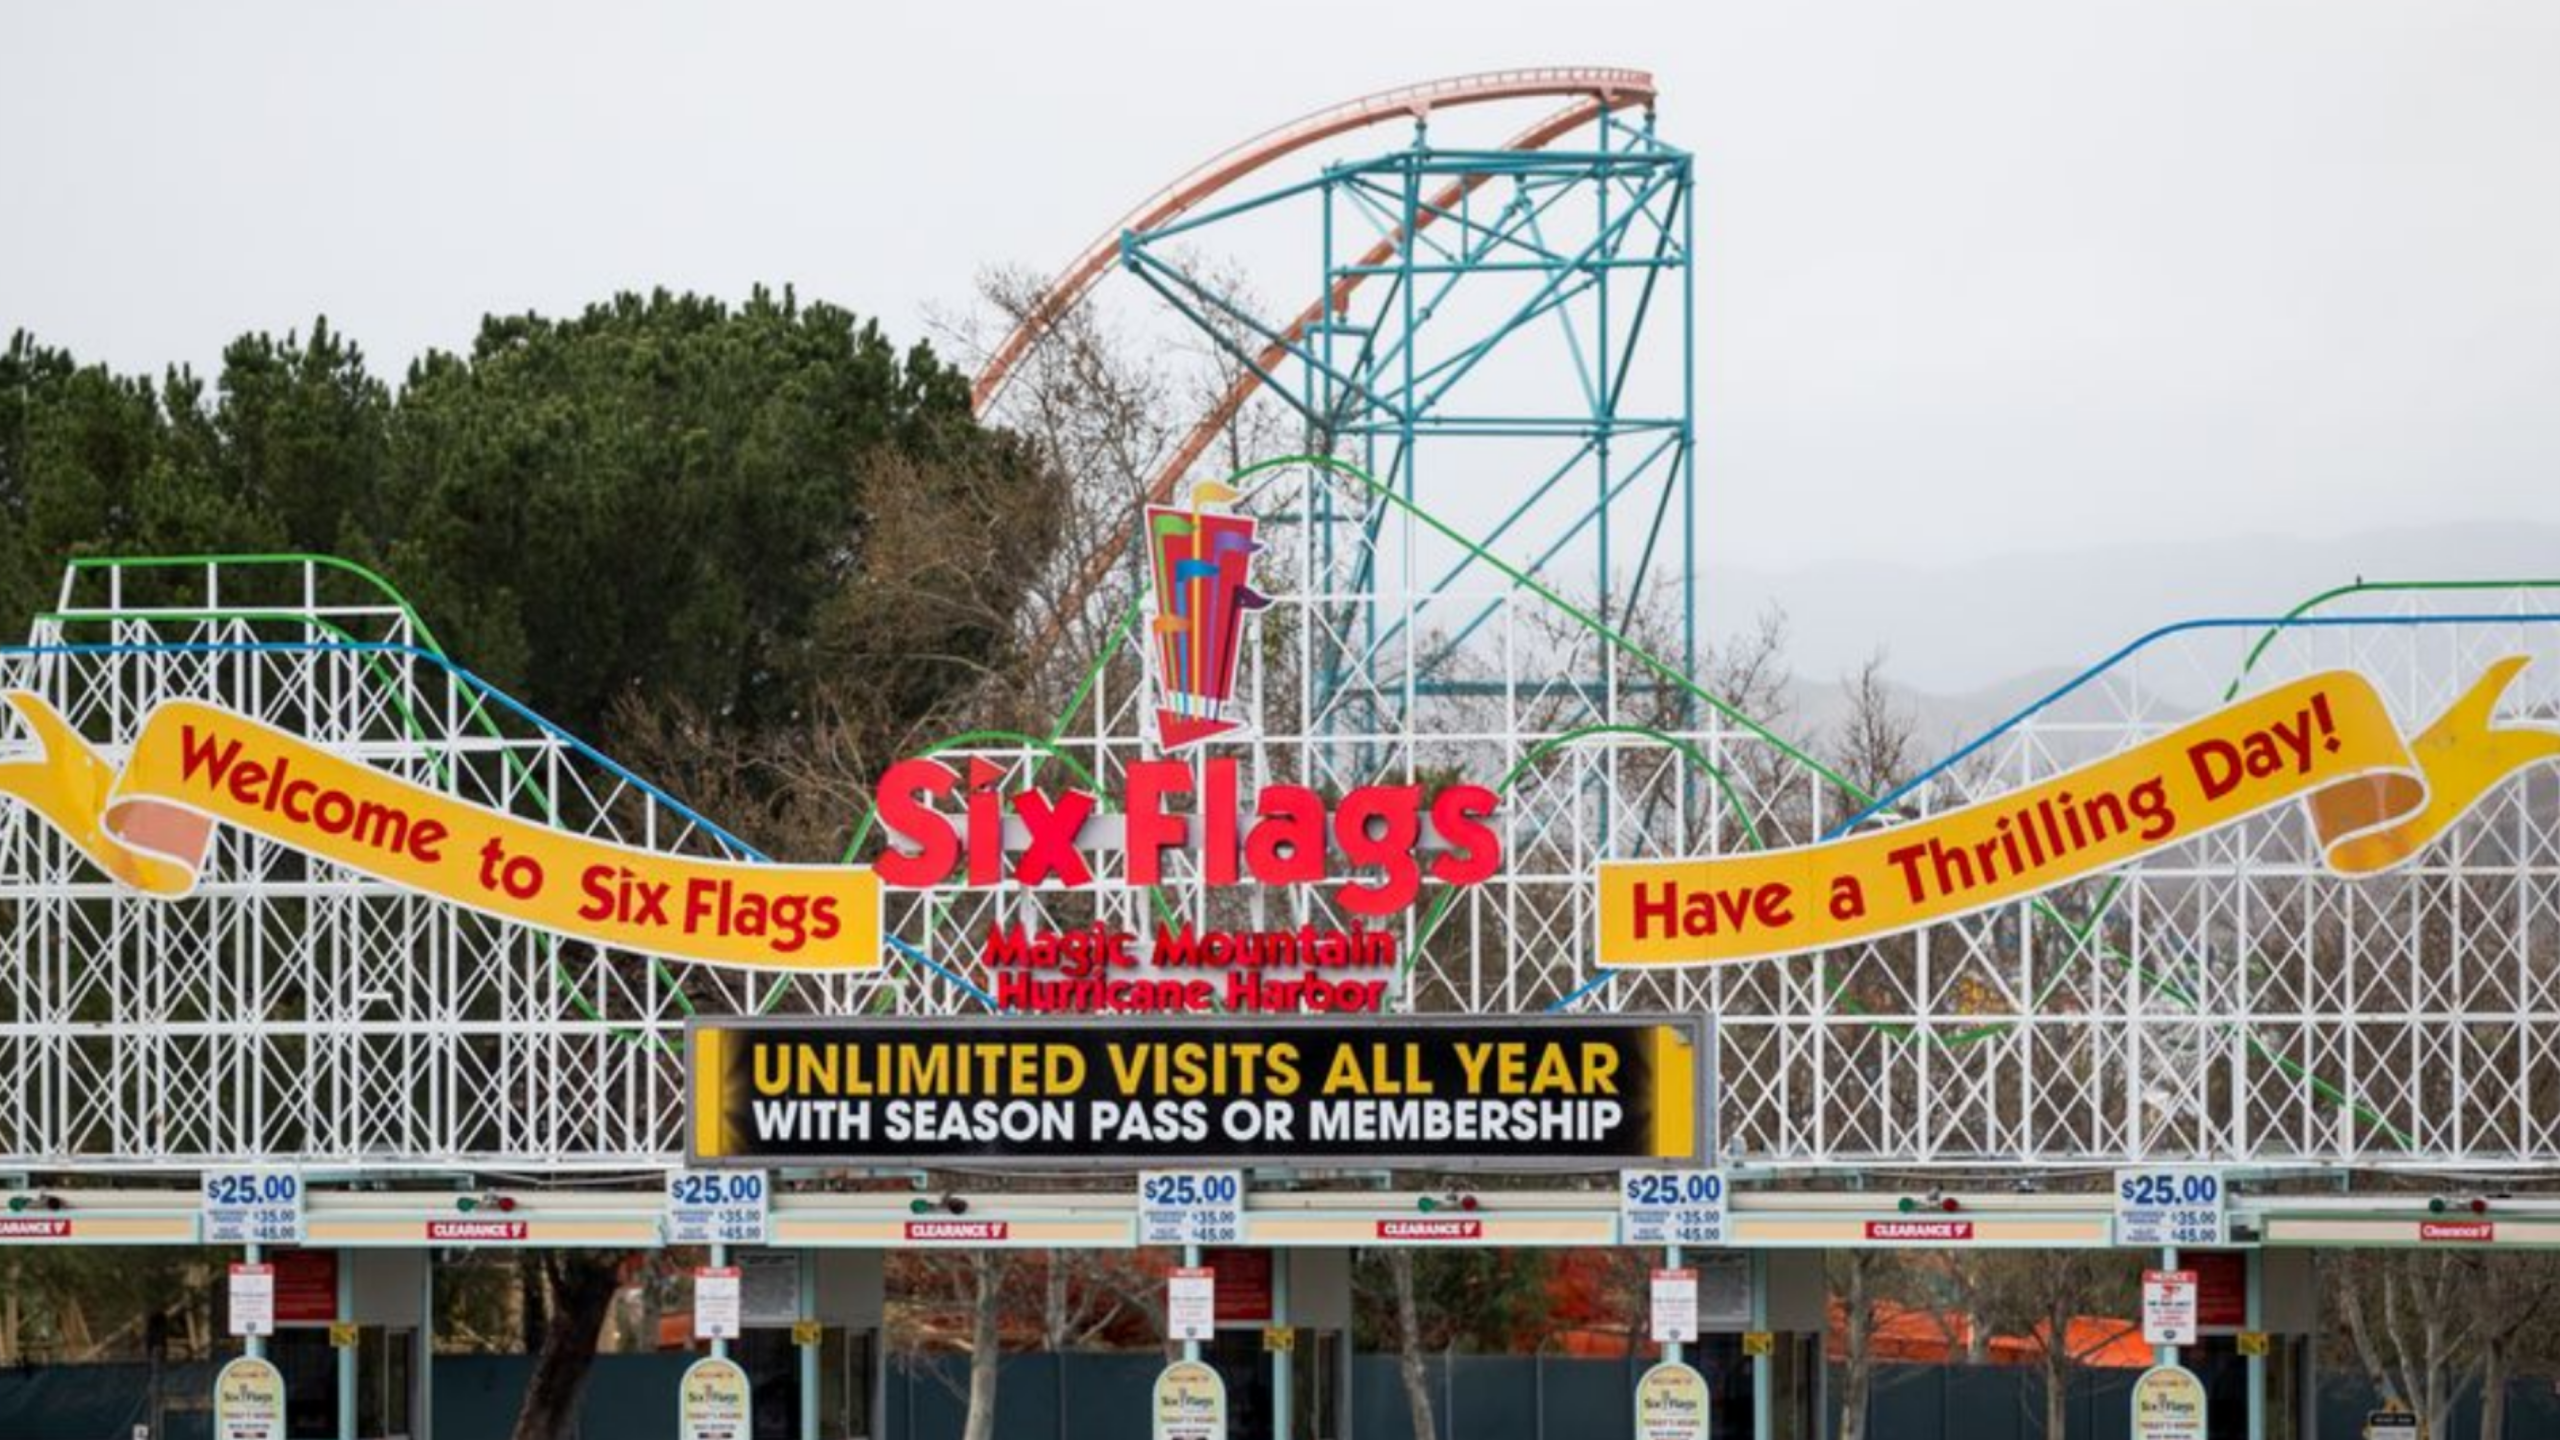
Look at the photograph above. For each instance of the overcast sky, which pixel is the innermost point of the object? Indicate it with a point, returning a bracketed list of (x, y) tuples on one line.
[(1980, 277)]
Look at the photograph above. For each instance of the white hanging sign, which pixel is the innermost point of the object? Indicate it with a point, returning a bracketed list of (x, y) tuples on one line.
[(1191, 1304), (717, 1302), (253, 1300), (2169, 1307), (1675, 1306)]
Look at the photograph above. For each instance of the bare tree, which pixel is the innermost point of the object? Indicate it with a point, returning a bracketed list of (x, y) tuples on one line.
[(2040, 1294), (1417, 1384), (986, 1342), (576, 1292), (2425, 1326), (1870, 1285)]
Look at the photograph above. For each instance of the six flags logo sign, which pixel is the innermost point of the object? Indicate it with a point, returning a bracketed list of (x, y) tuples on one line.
[(1201, 567), (1200, 562)]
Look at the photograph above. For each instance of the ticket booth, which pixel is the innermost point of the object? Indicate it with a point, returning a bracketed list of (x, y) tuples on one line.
[(348, 1342), (1772, 1301), (1283, 1337), (833, 1297)]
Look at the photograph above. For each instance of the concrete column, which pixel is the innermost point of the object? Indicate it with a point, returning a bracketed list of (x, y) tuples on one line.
[(426, 1366), (808, 1353), (1283, 1367), (1190, 1261), (1764, 1386), (346, 1354), (719, 1257), (1672, 1350), (2253, 1318), (2166, 1354), (252, 1253)]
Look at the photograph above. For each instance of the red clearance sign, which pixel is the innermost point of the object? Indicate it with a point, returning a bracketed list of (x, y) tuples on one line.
[(1430, 1229), (2459, 1232), (477, 1231), (959, 1230), (1929, 1230)]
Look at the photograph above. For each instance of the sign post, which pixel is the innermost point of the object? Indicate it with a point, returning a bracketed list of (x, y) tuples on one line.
[(717, 1207), (1671, 1207), (1191, 1304), (718, 1302), (1190, 1403), (252, 1207), (2168, 1404), (253, 1300), (712, 1402), (1675, 1306), (2169, 1307), (1587, 1091), (1190, 1207), (1672, 1403), (248, 1401), (2168, 1206), (2392, 1423)]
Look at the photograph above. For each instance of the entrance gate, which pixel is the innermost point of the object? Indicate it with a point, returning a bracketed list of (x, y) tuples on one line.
[(2227, 1000)]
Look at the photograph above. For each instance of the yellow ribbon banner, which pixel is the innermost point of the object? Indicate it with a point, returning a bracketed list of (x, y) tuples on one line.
[(194, 764), (2374, 800)]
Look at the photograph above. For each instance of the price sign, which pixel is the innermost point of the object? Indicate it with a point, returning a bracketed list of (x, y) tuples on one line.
[(725, 1207), (253, 1299), (1670, 1207), (1190, 1207), (2170, 1205), (1675, 1306), (717, 1302), (252, 1207), (1191, 1304), (2168, 1307)]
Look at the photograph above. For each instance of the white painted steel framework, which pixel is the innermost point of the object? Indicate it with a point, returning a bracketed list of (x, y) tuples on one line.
[(2225, 1000)]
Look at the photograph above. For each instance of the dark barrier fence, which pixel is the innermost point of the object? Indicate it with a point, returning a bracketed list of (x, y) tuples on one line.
[(1102, 1397)]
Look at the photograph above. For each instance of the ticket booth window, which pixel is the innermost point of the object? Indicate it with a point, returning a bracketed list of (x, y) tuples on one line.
[(1315, 1384), (848, 1363), (385, 1379)]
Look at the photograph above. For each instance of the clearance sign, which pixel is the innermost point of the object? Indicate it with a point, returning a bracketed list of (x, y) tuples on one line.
[(195, 764), (2374, 797), (1567, 1090)]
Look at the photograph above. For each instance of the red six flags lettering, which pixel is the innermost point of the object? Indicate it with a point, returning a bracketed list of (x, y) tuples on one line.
[(1292, 836)]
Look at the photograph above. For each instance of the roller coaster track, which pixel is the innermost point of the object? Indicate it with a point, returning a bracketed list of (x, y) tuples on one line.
[(1603, 85), (1597, 91), (489, 705)]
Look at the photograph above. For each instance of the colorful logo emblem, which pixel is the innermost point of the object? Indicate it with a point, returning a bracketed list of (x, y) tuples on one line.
[(1200, 560)]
